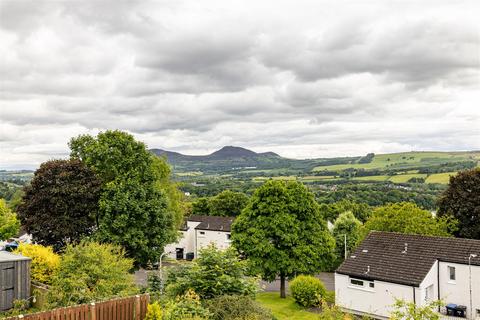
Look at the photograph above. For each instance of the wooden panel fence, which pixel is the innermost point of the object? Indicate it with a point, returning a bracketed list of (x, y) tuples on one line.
[(131, 308)]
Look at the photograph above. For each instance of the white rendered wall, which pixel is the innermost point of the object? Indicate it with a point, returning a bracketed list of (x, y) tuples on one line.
[(430, 279), (377, 301), (219, 238), (186, 241), (458, 291)]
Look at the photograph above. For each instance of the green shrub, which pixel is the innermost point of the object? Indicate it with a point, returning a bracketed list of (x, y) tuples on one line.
[(329, 297), (237, 308), (307, 290), (154, 312), (333, 313), (186, 307), (214, 273), (89, 272), (44, 264)]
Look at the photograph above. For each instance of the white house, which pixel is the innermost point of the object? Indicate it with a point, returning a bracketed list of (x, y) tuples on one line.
[(414, 268), (198, 232)]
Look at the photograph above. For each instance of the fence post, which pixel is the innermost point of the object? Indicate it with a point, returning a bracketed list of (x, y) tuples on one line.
[(93, 313), (137, 307)]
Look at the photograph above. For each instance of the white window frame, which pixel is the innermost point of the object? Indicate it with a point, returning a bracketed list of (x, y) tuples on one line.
[(365, 286), (201, 234), (449, 274)]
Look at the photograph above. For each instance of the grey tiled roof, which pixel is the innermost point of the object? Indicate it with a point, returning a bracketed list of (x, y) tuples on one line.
[(382, 256), (213, 223)]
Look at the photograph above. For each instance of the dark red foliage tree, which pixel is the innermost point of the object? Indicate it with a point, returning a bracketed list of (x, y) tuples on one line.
[(462, 201), (61, 203)]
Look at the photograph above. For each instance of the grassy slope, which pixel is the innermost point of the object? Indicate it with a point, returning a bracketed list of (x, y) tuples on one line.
[(284, 309), (405, 159)]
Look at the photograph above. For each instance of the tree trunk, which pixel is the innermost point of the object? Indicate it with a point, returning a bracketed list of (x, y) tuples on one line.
[(283, 293)]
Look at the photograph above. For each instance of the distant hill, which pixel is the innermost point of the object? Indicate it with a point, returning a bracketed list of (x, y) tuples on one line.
[(434, 167), (226, 159), (225, 153)]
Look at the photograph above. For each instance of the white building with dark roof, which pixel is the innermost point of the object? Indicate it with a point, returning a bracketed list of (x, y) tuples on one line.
[(198, 232), (420, 269)]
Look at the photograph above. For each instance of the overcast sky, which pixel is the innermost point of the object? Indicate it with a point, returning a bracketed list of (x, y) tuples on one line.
[(301, 78)]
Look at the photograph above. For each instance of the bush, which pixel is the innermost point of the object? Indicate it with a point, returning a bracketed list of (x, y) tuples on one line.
[(333, 313), (44, 264), (329, 297), (307, 290), (154, 312), (187, 306), (214, 273), (91, 271), (237, 308)]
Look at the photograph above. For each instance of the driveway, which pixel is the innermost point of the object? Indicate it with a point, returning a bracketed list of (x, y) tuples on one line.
[(327, 278)]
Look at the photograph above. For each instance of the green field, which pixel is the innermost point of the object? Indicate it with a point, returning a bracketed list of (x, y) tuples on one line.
[(405, 160), (284, 309), (440, 177), (403, 178)]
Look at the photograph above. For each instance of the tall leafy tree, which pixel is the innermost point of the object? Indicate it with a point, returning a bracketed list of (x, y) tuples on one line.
[(361, 211), (140, 207), (406, 217), (9, 224), (462, 201), (227, 203), (201, 207), (282, 232), (61, 203), (346, 227)]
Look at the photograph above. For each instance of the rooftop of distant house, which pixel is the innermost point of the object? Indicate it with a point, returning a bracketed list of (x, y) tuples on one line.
[(406, 258), (212, 223)]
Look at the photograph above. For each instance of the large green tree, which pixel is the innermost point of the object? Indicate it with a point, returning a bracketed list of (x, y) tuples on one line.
[(462, 201), (361, 211), (9, 224), (282, 232), (406, 217), (140, 207), (346, 227), (61, 203), (227, 203)]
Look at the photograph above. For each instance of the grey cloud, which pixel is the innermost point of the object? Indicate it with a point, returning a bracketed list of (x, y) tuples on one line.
[(420, 52), (195, 75)]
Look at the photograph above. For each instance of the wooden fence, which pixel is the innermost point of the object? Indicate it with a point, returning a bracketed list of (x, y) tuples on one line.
[(131, 308)]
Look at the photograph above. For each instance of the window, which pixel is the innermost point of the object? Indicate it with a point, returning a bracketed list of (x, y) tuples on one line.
[(371, 285), (356, 282), (229, 236), (202, 233), (429, 293), (451, 273)]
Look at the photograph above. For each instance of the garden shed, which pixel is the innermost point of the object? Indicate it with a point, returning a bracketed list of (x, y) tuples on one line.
[(14, 279)]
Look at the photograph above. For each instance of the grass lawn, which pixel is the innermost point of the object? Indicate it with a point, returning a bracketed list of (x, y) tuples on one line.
[(284, 309)]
